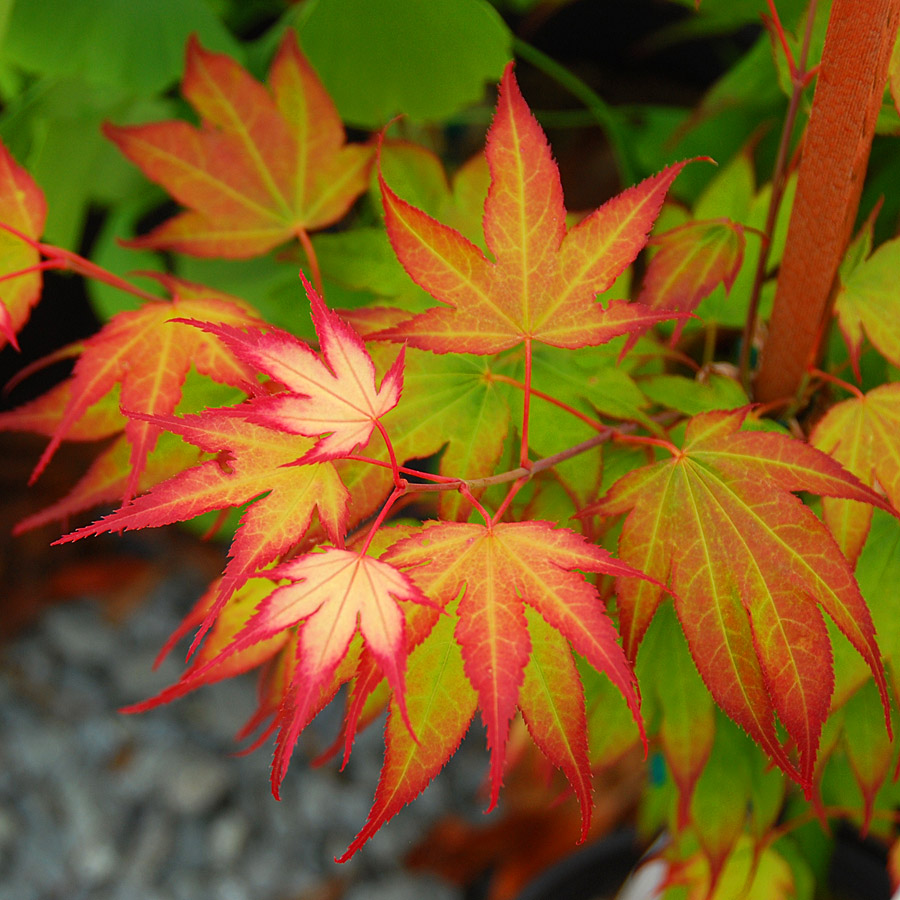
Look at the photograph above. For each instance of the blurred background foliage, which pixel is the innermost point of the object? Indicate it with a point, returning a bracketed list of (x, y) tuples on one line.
[(621, 88)]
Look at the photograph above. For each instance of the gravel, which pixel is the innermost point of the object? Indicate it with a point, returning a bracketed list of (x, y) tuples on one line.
[(96, 805)]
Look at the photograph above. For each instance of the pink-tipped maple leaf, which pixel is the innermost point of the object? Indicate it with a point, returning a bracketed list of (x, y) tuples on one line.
[(265, 164), (337, 396), (146, 356), (22, 207), (521, 611), (543, 279), (253, 463), (749, 564), (331, 594)]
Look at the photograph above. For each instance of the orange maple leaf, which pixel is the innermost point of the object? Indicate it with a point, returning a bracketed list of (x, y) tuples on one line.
[(505, 645), (265, 165), (543, 278), (748, 564), (689, 262)]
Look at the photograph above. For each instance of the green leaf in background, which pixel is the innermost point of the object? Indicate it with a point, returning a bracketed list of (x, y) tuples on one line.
[(137, 45), (426, 60), (54, 128), (685, 707), (693, 397)]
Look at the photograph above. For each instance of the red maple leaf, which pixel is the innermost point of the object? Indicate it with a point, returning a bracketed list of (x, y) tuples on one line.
[(543, 278)]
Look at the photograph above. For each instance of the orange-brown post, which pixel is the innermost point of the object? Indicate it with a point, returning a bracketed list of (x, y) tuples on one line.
[(849, 90)]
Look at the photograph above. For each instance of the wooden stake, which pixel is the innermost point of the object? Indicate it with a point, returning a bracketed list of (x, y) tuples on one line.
[(848, 96)]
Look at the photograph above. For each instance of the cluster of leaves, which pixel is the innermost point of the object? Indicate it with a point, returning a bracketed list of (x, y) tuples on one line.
[(528, 424)]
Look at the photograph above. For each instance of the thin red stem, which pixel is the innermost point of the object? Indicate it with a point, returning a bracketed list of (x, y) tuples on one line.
[(396, 494), (58, 258), (312, 258), (592, 423), (825, 376), (451, 482), (642, 439), (782, 38), (85, 267), (464, 490), (516, 486), (395, 469), (32, 242), (39, 267)]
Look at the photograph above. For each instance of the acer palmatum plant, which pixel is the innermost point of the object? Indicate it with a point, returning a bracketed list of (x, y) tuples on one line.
[(598, 545)]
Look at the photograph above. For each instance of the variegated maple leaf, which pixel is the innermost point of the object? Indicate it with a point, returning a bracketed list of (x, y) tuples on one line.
[(276, 657), (265, 165), (748, 565), (337, 396), (331, 596), (543, 279)]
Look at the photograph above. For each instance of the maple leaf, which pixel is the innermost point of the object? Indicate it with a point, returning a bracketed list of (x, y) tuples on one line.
[(108, 478), (331, 594), (521, 611), (337, 396), (747, 563), (253, 463), (543, 279), (863, 435), (690, 261), (265, 165), (147, 359), (23, 207)]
